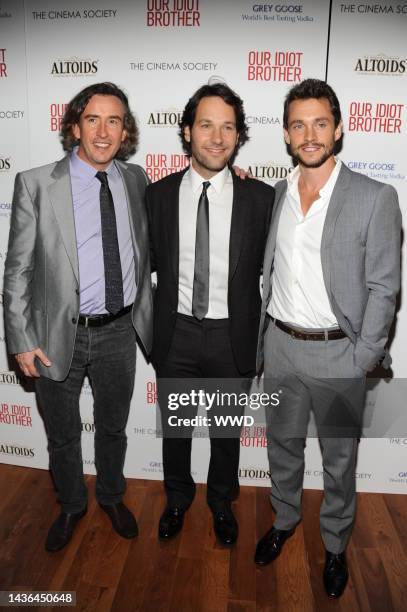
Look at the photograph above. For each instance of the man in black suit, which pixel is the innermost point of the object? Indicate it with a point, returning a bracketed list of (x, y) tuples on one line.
[(208, 230)]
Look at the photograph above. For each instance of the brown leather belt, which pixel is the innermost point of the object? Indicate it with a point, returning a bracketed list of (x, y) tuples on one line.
[(332, 334), (103, 319)]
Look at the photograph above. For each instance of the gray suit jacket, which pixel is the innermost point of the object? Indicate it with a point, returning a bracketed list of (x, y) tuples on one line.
[(41, 277), (360, 255)]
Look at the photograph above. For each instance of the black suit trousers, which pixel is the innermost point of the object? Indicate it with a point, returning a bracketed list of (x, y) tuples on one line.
[(199, 350)]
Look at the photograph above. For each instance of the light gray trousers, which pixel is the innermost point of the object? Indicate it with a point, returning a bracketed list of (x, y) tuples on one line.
[(317, 376)]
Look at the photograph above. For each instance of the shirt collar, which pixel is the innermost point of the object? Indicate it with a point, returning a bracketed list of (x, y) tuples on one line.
[(218, 181), (325, 191)]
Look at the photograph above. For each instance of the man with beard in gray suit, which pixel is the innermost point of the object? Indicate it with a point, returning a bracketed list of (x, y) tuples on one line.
[(77, 291), (331, 276)]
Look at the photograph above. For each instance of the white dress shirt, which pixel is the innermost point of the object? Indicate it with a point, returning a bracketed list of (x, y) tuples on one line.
[(299, 296), (220, 197)]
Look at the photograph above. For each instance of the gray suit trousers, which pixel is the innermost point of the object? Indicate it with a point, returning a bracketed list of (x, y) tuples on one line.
[(318, 377)]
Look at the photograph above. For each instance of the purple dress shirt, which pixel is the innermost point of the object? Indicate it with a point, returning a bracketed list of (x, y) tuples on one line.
[(86, 206)]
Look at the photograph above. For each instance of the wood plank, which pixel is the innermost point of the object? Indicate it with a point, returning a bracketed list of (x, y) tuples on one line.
[(311, 504), (214, 587), (197, 534), (373, 526), (241, 606), (396, 505), (294, 591), (375, 580), (242, 575), (12, 480), (395, 567), (24, 525), (148, 573), (185, 595), (266, 578), (357, 584), (193, 572)]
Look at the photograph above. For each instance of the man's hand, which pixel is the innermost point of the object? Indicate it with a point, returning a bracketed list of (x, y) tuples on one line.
[(377, 364), (241, 173), (26, 362)]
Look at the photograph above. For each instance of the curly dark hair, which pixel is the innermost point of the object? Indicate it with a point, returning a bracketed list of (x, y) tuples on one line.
[(313, 88), (229, 97), (76, 107)]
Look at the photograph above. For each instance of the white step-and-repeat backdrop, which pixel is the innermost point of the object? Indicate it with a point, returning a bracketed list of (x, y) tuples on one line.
[(160, 51)]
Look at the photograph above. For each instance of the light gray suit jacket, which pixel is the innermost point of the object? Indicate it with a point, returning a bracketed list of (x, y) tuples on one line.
[(41, 277), (360, 255)]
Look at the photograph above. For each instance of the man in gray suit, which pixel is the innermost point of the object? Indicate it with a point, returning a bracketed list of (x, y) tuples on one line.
[(77, 290), (331, 277)]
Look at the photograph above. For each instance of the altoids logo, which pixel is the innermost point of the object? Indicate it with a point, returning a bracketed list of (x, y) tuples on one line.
[(74, 67), (381, 65), (5, 163), (165, 118), (254, 473), (270, 171), (16, 450), (9, 377)]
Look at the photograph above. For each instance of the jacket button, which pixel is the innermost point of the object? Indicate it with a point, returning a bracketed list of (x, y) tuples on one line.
[(77, 291), (74, 320)]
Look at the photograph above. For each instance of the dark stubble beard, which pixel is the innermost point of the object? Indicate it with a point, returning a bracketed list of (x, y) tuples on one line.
[(329, 151)]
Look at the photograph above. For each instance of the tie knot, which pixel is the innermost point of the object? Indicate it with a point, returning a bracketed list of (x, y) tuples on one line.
[(102, 176), (205, 186)]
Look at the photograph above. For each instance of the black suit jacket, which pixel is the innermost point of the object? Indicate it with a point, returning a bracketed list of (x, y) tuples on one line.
[(251, 213)]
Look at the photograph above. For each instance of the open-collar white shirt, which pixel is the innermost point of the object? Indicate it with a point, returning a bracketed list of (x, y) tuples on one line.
[(299, 296)]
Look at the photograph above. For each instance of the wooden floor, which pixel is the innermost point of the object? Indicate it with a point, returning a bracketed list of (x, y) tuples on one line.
[(193, 573)]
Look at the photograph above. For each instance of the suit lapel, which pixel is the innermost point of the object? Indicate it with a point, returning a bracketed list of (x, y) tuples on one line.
[(238, 222), (336, 203), (136, 221), (272, 237), (170, 211), (60, 194)]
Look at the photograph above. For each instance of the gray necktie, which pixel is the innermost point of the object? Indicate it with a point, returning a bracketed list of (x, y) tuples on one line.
[(200, 295), (114, 300)]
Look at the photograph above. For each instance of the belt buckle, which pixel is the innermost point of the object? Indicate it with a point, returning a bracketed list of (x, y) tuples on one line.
[(86, 321)]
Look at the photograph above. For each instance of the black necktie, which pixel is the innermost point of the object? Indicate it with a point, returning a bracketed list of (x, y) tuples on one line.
[(114, 301), (200, 295)]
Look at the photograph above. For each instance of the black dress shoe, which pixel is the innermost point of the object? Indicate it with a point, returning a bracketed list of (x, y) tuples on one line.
[(270, 545), (226, 527), (335, 574), (122, 519), (61, 530), (171, 522)]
